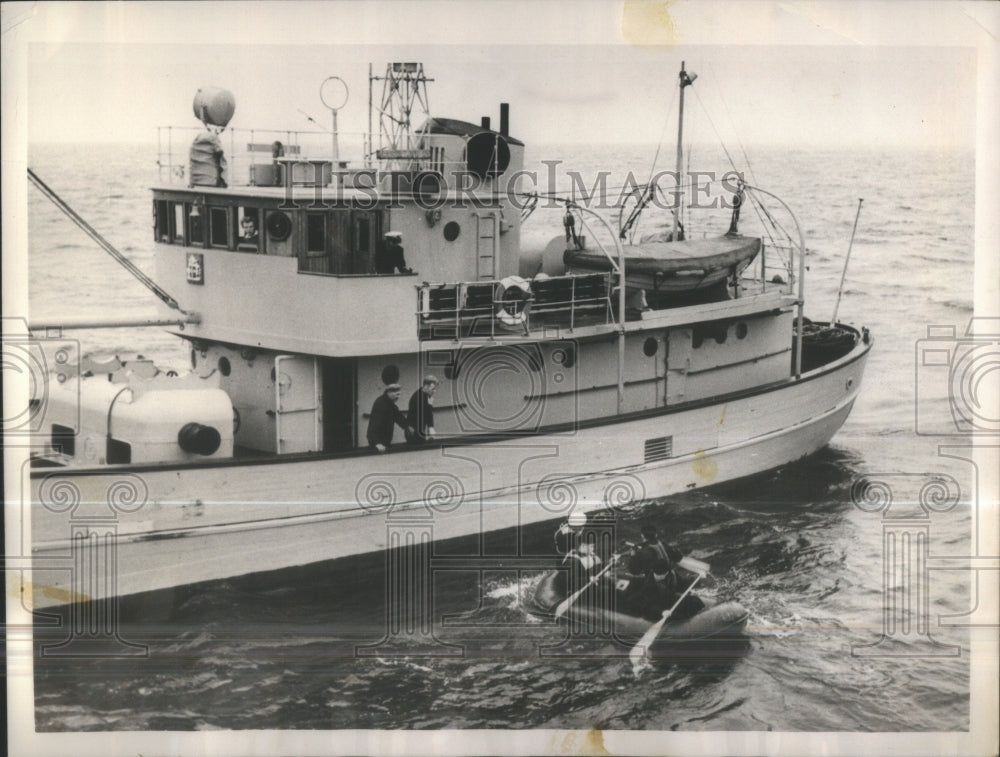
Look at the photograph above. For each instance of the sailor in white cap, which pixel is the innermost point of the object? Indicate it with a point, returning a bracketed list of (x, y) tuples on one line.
[(389, 257), (385, 416)]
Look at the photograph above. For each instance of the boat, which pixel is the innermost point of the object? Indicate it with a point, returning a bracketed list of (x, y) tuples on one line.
[(661, 267), (712, 623), (665, 266), (553, 394)]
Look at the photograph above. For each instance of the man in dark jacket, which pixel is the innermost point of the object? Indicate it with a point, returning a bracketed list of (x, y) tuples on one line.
[(389, 256), (653, 558), (385, 415), (421, 411), (653, 583)]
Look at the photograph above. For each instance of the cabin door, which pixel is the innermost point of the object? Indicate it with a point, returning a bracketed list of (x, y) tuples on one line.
[(339, 391), (678, 363), (366, 233), (339, 240), (297, 417)]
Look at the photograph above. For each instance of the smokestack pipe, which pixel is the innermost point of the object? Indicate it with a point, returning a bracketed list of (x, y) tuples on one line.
[(486, 122), (505, 119)]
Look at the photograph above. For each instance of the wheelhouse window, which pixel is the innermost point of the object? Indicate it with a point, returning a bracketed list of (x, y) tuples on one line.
[(161, 221), (219, 223), (315, 258), (248, 229), (177, 222), (196, 224), (316, 232), (364, 234)]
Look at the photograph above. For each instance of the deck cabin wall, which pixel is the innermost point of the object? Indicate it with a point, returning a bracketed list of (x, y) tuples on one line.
[(263, 301), (263, 293), (721, 356), (248, 378), (435, 252), (510, 387), (520, 387)]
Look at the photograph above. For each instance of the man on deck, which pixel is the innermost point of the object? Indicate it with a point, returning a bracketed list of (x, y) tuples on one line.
[(389, 256), (385, 415), (421, 411)]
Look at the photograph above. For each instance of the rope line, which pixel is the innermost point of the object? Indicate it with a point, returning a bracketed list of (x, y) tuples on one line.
[(104, 243)]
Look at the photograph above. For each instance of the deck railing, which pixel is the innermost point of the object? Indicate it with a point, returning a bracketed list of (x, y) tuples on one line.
[(513, 306), (242, 148), (772, 270), (247, 149)]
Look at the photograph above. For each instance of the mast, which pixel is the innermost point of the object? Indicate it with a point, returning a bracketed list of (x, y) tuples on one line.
[(404, 97), (685, 80), (370, 150)]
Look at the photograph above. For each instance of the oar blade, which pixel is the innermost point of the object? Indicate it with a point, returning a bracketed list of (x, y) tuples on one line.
[(637, 654), (564, 606), (694, 566)]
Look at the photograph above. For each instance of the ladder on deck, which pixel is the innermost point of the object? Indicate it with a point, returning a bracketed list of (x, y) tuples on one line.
[(487, 239)]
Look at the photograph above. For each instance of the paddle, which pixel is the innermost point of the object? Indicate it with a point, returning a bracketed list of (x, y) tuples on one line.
[(638, 652), (694, 566), (566, 603)]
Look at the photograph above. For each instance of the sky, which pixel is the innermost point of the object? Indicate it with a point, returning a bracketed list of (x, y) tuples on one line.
[(116, 80)]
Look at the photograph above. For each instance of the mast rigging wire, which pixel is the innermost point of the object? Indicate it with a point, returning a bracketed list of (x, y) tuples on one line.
[(755, 202)]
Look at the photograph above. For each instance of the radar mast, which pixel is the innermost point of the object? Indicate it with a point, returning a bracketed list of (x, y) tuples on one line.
[(404, 99)]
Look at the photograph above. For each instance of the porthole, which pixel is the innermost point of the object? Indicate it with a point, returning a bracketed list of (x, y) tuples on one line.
[(703, 331), (564, 356), (279, 226), (224, 367), (451, 231), (650, 346), (741, 330)]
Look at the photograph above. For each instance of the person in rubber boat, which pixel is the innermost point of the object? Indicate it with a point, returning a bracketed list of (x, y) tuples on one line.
[(569, 534), (384, 417), (570, 544), (389, 256), (652, 580), (421, 412)]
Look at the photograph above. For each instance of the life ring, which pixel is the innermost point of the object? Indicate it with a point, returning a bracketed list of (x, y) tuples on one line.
[(513, 298)]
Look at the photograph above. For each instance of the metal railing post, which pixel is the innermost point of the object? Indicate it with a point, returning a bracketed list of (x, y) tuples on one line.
[(802, 278), (572, 304), (621, 297)]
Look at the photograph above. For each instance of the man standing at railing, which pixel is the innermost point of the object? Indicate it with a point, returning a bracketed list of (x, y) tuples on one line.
[(421, 411), (389, 256), (385, 415)]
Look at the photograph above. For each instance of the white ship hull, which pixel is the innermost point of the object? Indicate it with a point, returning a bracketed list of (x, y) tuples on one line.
[(172, 525)]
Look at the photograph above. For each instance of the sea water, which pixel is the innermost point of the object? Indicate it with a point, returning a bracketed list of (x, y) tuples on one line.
[(792, 545)]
